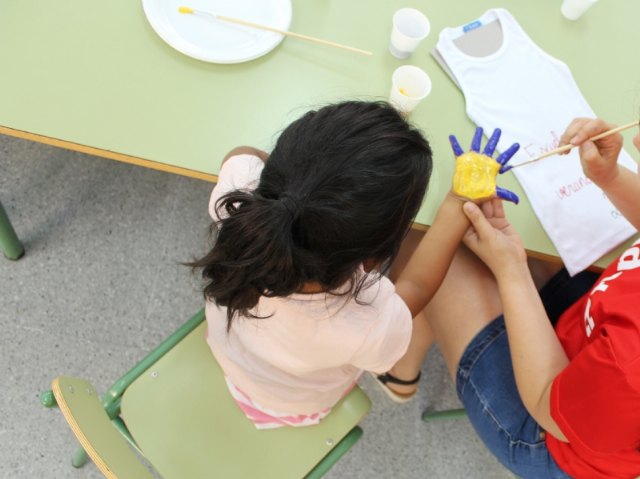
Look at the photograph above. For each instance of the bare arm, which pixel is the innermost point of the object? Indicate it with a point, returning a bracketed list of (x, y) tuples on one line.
[(428, 265), (600, 163), (246, 150), (536, 352)]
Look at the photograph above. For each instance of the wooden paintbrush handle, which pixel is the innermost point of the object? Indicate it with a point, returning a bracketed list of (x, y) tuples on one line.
[(259, 26), (569, 146)]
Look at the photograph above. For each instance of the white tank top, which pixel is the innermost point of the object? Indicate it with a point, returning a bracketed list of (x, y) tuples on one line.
[(533, 97)]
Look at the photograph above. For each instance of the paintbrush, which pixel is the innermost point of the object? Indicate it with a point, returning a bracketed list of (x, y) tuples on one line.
[(569, 146), (238, 21)]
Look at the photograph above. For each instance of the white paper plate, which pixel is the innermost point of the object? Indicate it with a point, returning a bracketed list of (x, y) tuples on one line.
[(211, 40)]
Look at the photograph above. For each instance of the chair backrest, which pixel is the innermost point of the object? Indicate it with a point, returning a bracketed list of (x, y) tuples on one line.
[(185, 422), (81, 406)]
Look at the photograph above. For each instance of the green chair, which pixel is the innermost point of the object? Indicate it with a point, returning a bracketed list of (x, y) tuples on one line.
[(173, 412)]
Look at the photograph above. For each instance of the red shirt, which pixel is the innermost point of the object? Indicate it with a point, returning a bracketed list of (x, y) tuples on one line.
[(595, 400)]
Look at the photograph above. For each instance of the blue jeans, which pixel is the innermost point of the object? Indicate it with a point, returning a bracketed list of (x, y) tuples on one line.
[(487, 388)]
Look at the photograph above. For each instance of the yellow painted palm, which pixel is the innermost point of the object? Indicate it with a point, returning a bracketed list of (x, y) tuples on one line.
[(476, 173)]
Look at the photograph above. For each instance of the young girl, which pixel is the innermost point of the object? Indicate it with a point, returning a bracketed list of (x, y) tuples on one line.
[(296, 307)]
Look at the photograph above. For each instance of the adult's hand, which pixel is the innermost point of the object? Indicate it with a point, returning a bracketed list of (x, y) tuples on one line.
[(599, 158), (492, 238)]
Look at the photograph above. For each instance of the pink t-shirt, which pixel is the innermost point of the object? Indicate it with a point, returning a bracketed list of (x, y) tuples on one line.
[(313, 347)]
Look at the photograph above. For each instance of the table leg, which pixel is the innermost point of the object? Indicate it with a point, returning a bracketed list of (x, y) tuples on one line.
[(9, 242)]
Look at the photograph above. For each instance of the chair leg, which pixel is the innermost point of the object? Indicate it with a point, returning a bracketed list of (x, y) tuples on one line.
[(448, 414), (9, 242), (336, 453), (47, 399), (79, 458)]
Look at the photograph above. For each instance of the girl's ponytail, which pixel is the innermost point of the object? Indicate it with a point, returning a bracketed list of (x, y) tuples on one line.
[(254, 253)]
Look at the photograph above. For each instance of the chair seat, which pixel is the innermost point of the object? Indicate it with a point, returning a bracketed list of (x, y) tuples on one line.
[(186, 423)]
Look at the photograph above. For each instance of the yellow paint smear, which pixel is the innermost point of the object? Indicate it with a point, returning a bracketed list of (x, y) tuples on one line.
[(475, 176)]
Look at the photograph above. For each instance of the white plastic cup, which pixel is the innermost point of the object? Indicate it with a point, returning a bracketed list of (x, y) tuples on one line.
[(409, 86), (409, 28), (573, 9)]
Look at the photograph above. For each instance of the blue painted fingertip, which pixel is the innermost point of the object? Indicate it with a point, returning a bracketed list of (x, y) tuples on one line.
[(457, 149), (507, 195), (491, 145), (477, 140), (508, 153)]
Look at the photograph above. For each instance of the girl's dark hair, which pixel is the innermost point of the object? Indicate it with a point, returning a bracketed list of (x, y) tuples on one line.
[(341, 187)]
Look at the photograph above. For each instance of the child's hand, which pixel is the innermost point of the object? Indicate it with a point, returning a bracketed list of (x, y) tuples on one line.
[(475, 174), (600, 158), (492, 238)]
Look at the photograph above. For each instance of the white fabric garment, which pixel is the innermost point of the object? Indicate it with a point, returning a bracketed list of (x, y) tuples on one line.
[(533, 97)]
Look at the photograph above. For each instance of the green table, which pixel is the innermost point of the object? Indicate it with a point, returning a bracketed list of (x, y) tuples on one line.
[(93, 76)]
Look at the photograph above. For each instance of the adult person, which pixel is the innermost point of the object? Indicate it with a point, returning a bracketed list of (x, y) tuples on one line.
[(550, 379)]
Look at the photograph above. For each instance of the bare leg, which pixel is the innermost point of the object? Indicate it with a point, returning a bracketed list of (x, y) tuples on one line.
[(408, 367), (466, 302)]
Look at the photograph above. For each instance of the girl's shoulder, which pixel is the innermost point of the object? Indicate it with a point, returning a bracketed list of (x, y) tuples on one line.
[(239, 172)]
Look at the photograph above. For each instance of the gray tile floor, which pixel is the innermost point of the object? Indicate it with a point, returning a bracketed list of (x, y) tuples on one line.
[(101, 285)]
